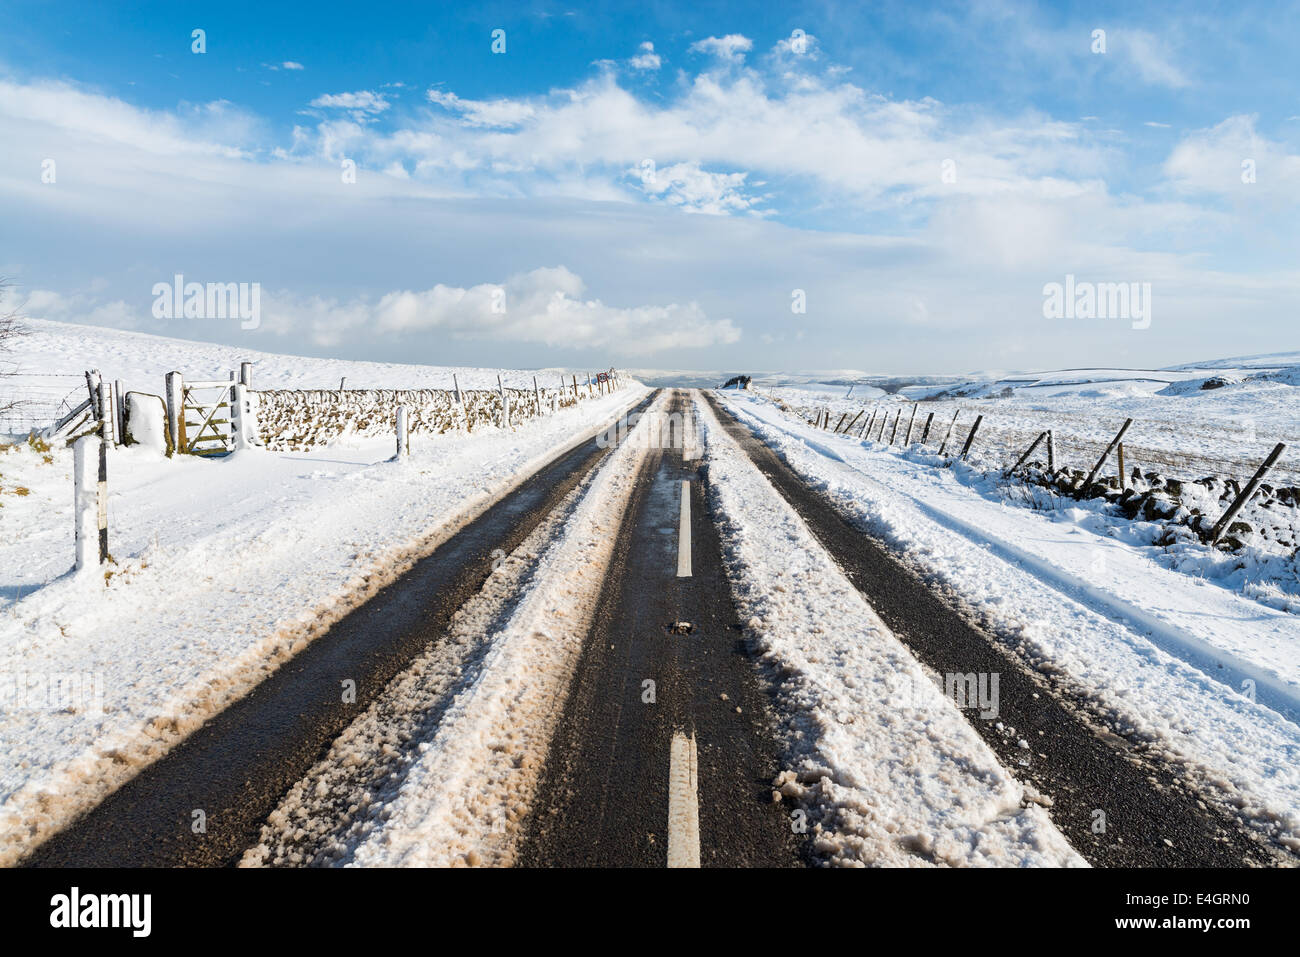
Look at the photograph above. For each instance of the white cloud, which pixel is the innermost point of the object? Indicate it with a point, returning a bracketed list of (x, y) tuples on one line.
[(1211, 161), (1151, 58), (216, 127), (732, 47), (206, 190), (292, 65), (544, 306), (646, 58), (687, 187), (362, 101), (485, 113), (79, 307), (821, 133), (795, 47)]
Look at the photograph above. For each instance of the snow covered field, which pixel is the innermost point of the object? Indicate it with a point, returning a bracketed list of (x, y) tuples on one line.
[(272, 546), (1180, 428), (1187, 664)]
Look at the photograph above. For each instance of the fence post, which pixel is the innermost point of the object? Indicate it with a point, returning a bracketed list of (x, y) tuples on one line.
[(910, 422), (926, 434), (1226, 519), (92, 385), (840, 422), (505, 405), (246, 374), (106, 414), (1028, 452), (1119, 437), (1051, 451), (343, 381), (894, 433), (537, 396), (971, 437), (403, 436), (175, 398), (244, 425), (849, 428), (119, 411), (90, 500), (1123, 480), (947, 435)]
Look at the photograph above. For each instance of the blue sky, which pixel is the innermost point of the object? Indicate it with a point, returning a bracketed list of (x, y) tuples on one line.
[(654, 184)]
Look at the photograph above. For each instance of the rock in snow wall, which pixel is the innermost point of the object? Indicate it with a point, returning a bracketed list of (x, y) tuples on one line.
[(296, 419)]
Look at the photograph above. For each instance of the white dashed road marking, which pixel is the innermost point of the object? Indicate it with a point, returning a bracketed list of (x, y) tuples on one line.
[(684, 534), (683, 803)]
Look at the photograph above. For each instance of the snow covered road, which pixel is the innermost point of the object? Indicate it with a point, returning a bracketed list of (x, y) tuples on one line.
[(730, 640)]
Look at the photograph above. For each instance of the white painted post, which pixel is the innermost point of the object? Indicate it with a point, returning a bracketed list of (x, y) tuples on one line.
[(246, 374), (403, 438), (505, 405), (455, 384), (87, 506), (244, 415), (537, 396)]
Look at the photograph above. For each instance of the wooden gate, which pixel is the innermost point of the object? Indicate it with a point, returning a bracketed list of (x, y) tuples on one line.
[(203, 419)]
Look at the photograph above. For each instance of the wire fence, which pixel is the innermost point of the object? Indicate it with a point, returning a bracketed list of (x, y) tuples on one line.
[(1179, 448), (30, 400)]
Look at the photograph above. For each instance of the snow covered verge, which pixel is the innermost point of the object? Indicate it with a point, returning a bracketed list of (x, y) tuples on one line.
[(1169, 518), (1204, 676), (465, 784), (223, 569), (881, 760)]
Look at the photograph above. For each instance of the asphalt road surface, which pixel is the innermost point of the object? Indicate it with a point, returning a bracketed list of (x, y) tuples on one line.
[(619, 770)]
